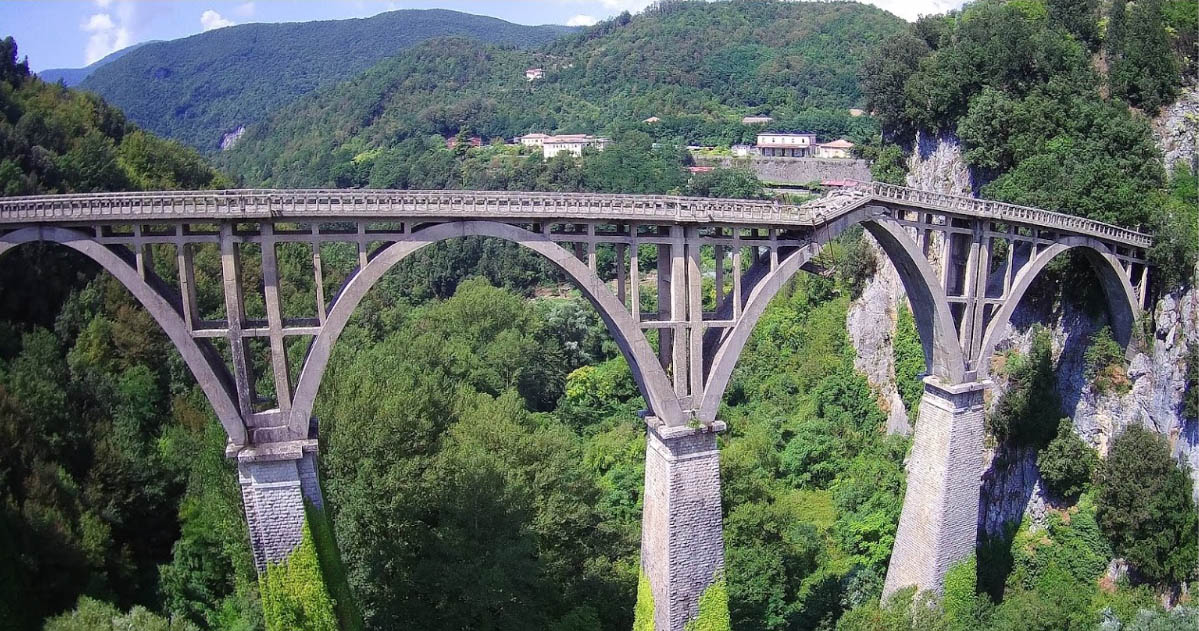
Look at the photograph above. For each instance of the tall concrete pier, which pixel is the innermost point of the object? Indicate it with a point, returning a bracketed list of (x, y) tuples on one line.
[(939, 523), (682, 543)]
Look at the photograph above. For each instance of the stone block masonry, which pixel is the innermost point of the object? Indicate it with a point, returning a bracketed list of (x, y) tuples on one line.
[(939, 523), (275, 483), (682, 544)]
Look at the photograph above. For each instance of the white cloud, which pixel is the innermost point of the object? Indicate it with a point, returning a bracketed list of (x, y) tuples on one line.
[(581, 20), (244, 10), (105, 36), (210, 20)]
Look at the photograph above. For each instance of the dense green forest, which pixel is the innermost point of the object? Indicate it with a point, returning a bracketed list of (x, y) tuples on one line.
[(482, 457), (697, 66), (199, 88)]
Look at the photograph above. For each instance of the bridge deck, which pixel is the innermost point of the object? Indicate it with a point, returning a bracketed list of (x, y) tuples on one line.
[(307, 204)]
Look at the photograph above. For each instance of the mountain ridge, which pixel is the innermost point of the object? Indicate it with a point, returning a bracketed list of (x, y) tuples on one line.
[(199, 88)]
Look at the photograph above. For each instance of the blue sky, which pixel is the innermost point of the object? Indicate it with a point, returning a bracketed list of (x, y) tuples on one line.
[(74, 33)]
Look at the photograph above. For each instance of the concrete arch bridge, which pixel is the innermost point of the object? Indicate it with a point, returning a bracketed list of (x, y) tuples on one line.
[(965, 264)]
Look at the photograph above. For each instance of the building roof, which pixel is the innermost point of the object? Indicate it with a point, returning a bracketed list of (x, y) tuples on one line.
[(536, 135), (652, 119), (840, 143), (786, 133), (700, 169), (756, 119)]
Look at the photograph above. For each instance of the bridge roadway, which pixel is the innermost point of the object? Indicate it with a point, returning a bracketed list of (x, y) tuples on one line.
[(965, 264), (299, 204)]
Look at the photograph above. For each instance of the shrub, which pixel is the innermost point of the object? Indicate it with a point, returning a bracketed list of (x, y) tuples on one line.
[(1105, 364), (294, 596), (713, 608), (909, 363), (1145, 507), (1066, 463), (333, 570), (93, 615), (1028, 412), (643, 613)]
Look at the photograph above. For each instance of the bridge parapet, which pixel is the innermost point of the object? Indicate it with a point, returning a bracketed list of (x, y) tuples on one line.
[(257, 204), (1003, 212)]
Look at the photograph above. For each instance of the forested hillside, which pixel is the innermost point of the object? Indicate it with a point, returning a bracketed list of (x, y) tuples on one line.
[(199, 88), (89, 393), (698, 66)]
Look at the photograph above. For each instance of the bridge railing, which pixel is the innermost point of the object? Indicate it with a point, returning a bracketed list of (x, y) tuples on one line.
[(263, 204), (301, 204), (1008, 213)]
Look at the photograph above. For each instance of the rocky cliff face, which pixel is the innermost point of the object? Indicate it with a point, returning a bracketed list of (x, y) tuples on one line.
[(936, 165), (1177, 128), (1011, 483)]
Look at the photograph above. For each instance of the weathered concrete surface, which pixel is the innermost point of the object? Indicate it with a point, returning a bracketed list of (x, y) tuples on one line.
[(682, 545), (939, 523), (795, 170)]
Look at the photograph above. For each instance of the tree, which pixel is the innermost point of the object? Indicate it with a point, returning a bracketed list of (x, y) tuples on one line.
[(1145, 507), (1066, 464), (94, 615)]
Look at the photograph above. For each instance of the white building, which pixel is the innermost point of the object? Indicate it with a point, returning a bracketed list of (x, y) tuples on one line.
[(571, 143), (742, 151), (533, 74), (533, 140), (837, 149), (780, 145), (756, 120)]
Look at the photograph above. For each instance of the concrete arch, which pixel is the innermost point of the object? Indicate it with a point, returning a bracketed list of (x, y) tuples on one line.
[(208, 368), (942, 352), (649, 374), (1122, 303)]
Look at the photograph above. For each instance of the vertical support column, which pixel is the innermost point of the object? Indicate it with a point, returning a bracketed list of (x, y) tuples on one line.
[(678, 308), (682, 546), (665, 335), (274, 318), (695, 313), (235, 316), (939, 523), (634, 275), (276, 480), (736, 273), (621, 281)]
